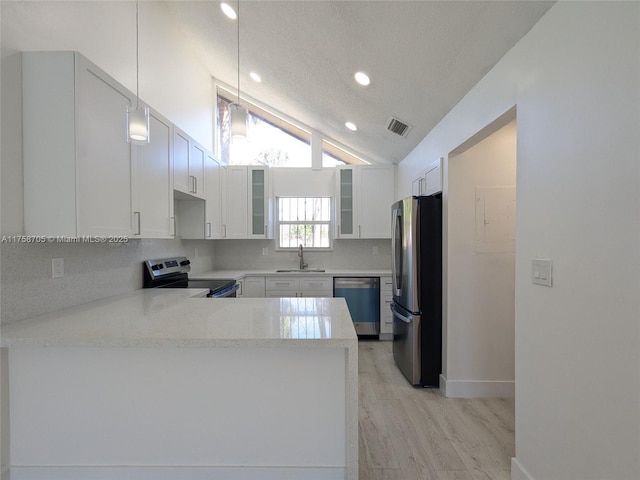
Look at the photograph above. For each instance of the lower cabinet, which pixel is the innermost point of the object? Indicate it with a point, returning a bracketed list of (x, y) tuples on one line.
[(252, 287), (299, 287), (386, 317)]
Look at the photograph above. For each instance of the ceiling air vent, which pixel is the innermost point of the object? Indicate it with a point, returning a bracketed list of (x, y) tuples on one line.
[(398, 127)]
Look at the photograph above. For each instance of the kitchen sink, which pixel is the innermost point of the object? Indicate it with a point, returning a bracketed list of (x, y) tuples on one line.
[(298, 270)]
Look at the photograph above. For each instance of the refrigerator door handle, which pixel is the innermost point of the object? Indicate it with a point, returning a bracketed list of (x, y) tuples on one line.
[(401, 316), (394, 260)]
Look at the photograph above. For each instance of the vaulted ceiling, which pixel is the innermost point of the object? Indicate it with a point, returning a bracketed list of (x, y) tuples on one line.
[(422, 58)]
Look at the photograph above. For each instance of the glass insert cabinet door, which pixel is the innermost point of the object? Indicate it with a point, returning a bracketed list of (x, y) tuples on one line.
[(258, 203), (345, 226)]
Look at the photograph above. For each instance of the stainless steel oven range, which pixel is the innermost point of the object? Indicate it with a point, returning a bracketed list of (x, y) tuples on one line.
[(174, 273)]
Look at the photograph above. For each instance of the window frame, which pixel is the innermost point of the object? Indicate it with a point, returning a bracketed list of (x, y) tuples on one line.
[(289, 125), (278, 222)]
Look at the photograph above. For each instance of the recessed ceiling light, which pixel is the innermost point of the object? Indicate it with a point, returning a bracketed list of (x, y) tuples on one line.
[(351, 126), (362, 78), (228, 10), (255, 77)]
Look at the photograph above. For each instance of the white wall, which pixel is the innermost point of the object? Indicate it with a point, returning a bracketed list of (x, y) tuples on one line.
[(575, 80), (481, 279)]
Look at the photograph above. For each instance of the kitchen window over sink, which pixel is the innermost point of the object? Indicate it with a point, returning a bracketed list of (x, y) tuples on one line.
[(304, 221)]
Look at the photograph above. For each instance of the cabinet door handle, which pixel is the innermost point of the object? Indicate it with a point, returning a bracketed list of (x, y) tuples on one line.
[(136, 216), (359, 231), (209, 229), (172, 223), (265, 230), (224, 231), (195, 181)]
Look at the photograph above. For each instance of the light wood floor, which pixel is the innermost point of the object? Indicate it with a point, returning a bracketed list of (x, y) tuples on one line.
[(410, 433)]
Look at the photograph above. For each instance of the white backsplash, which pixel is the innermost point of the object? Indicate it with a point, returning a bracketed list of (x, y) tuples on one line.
[(346, 254), (91, 271)]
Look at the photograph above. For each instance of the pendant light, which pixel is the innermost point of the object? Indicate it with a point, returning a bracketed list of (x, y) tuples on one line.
[(238, 112), (137, 117)]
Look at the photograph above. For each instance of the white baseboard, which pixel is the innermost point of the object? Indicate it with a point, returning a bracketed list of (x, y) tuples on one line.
[(177, 473), (518, 472), (477, 389)]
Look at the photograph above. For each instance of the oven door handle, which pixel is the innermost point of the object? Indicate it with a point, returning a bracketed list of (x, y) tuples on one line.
[(228, 293)]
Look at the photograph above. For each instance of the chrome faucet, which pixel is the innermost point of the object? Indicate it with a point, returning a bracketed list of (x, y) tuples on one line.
[(301, 255)]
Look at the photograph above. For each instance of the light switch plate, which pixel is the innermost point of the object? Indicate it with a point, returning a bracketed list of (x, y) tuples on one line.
[(541, 272), (57, 267)]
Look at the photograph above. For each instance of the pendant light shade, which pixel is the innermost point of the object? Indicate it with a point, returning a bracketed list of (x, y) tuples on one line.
[(137, 116), (138, 124), (238, 122)]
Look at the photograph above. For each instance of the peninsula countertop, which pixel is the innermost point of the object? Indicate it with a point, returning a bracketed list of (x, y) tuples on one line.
[(184, 318)]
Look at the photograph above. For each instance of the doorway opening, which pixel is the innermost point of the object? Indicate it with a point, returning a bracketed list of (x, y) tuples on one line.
[(479, 249)]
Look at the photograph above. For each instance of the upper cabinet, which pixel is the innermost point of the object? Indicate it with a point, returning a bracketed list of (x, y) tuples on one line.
[(213, 180), (364, 195), (429, 182), (188, 164), (152, 188), (246, 211), (259, 203), (77, 161)]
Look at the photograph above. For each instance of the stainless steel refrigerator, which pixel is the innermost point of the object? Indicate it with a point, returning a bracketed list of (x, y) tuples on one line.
[(417, 288)]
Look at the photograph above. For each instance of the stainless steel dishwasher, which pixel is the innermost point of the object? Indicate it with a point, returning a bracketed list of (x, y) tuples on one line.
[(363, 299)]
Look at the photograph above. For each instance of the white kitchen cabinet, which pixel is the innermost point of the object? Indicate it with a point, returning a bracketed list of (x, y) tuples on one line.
[(253, 287), (259, 203), (77, 161), (213, 187), (181, 181), (197, 218), (152, 189), (418, 186), (386, 317), (188, 164), (429, 182), (312, 286), (235, 203), (196, 169), (246, 207), (364, 195)]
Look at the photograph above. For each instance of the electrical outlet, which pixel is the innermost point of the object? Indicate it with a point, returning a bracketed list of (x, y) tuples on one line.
[(265, 251), (195, 252), (57, 267), (375, 250)]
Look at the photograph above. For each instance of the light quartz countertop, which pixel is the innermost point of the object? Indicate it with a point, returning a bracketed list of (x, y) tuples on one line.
[(330, 272), (184, 318)]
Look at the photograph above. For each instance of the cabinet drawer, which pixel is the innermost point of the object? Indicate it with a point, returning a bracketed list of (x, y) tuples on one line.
[(316, 283), (283, 283)]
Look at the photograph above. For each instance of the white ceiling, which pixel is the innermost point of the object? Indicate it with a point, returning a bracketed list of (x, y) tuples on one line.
[(422, 57)]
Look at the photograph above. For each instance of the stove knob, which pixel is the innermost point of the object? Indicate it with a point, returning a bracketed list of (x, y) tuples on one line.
[(156, 267), (184, 263)]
